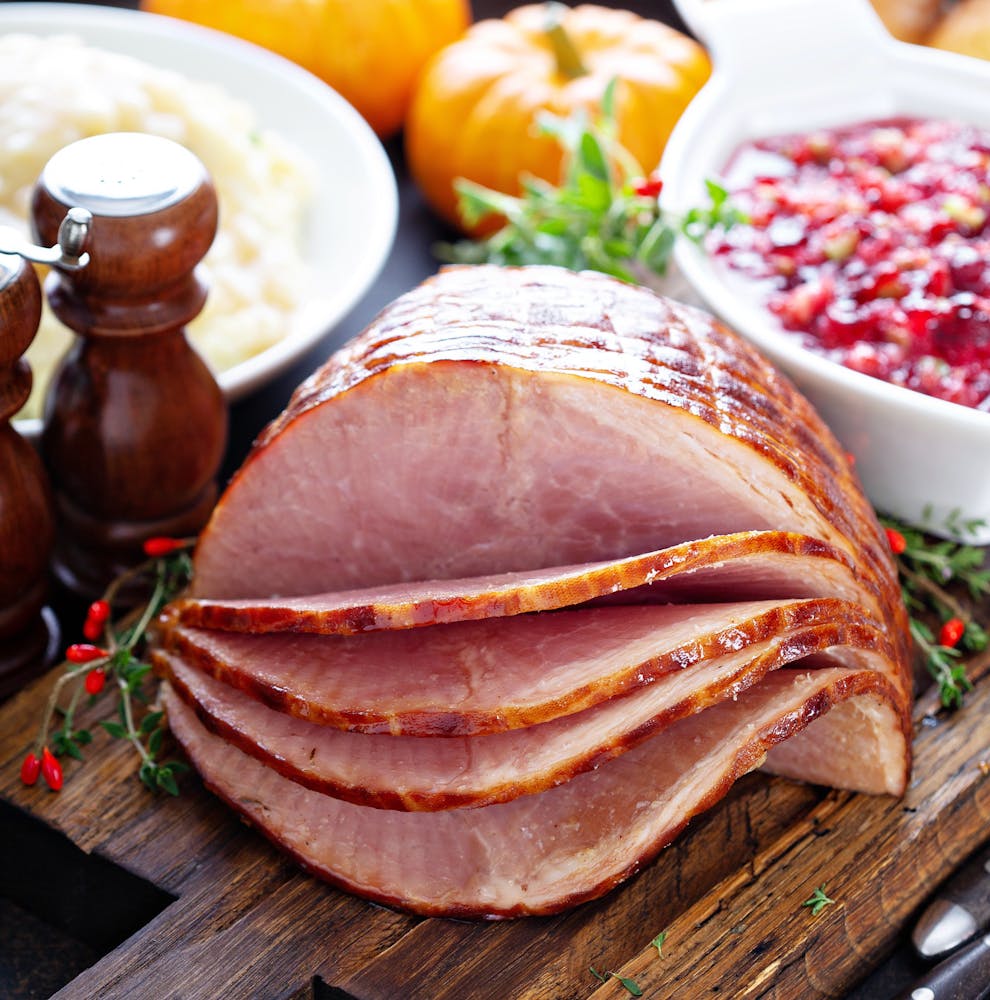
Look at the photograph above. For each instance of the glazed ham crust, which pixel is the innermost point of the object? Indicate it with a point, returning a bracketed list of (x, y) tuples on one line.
[(538, 854), (548, 419)]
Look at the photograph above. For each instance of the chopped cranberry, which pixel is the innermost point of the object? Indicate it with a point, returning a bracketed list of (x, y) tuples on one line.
[(872, 243)]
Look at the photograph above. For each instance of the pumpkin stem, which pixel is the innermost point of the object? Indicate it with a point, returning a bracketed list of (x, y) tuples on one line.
[(568, 59)]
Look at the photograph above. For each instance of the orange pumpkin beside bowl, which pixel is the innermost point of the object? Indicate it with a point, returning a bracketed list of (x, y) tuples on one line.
[(476, 108)]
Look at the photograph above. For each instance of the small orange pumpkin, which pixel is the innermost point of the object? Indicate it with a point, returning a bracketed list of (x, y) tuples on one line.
[(908, 20), (965, 28), (476, 106), (369, 51)]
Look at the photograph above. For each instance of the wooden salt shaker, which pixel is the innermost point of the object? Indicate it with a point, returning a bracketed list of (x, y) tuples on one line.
[(27, 629), (135, 424)]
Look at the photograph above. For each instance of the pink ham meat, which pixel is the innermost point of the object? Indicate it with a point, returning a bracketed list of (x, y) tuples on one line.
[(750, 565), (474, 678), (541, 853), (499, 420), (411, 773)]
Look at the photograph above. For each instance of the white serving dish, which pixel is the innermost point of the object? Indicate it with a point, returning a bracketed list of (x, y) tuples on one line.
[(791, 66), (353, 216)]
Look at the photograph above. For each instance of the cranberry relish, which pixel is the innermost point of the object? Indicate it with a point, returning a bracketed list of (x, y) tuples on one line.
[(873, 241)]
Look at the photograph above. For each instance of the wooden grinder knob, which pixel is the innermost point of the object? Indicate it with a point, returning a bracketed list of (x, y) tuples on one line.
[(27, 631), (135, 424)]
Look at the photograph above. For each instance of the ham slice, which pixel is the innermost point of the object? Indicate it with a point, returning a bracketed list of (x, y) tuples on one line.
[(748, 565), (407, 772), (473, 678), (541, 853), (500, 420)]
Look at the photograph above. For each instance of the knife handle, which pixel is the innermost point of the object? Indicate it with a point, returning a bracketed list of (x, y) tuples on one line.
[(960, 910), (964, 975)]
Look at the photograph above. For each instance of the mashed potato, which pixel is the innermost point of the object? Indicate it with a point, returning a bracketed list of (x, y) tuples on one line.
[(57, 90)]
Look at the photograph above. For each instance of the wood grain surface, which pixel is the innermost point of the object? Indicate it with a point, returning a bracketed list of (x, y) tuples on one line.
[(247, 923)]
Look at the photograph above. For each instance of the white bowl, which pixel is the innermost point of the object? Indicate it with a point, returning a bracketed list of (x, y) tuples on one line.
[(791, 66), (354, 211)]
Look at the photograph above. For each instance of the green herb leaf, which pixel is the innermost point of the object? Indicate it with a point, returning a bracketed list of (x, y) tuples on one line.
[(630, 984), (115, 729), (818, 901), (155, 741), (150, 722), (975, 637), (608, 100), (166, 781), (592, 156), (476, 202), (148, 774), (658, 941)]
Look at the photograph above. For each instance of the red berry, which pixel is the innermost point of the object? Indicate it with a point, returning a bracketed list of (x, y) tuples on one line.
[(99, 611), (650, 188), (84, 652), (95, 680), (96, 617), (30, 769), (951, 632), (896, 541), (51, 770), (161, 546)]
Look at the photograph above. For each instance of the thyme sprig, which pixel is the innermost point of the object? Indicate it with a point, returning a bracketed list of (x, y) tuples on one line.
[(926, 568), (116, 669), (631, 986), (604, 216), (817, 901)]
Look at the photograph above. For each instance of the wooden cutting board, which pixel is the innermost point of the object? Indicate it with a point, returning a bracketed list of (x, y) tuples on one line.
[(246, 923)]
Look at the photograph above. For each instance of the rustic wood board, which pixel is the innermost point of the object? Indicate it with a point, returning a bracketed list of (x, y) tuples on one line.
[(247, 923)]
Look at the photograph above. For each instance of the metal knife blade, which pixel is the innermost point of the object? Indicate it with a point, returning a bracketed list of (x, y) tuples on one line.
[(964, 975), (960, 909)]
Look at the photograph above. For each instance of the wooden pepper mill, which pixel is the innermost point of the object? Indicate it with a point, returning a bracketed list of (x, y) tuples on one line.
[(27, 629), (135, 424)]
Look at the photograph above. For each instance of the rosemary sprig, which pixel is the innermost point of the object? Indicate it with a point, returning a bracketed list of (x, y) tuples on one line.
[(926, 568), (88, 668), (604, 216)]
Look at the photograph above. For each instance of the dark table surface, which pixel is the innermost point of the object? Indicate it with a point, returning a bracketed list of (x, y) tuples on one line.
[(409, 262)]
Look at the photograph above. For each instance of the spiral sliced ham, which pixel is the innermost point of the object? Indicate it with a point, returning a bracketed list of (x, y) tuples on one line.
[(473, 678), (542, 853), (461, 733), (407, 772), (748, 565)]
